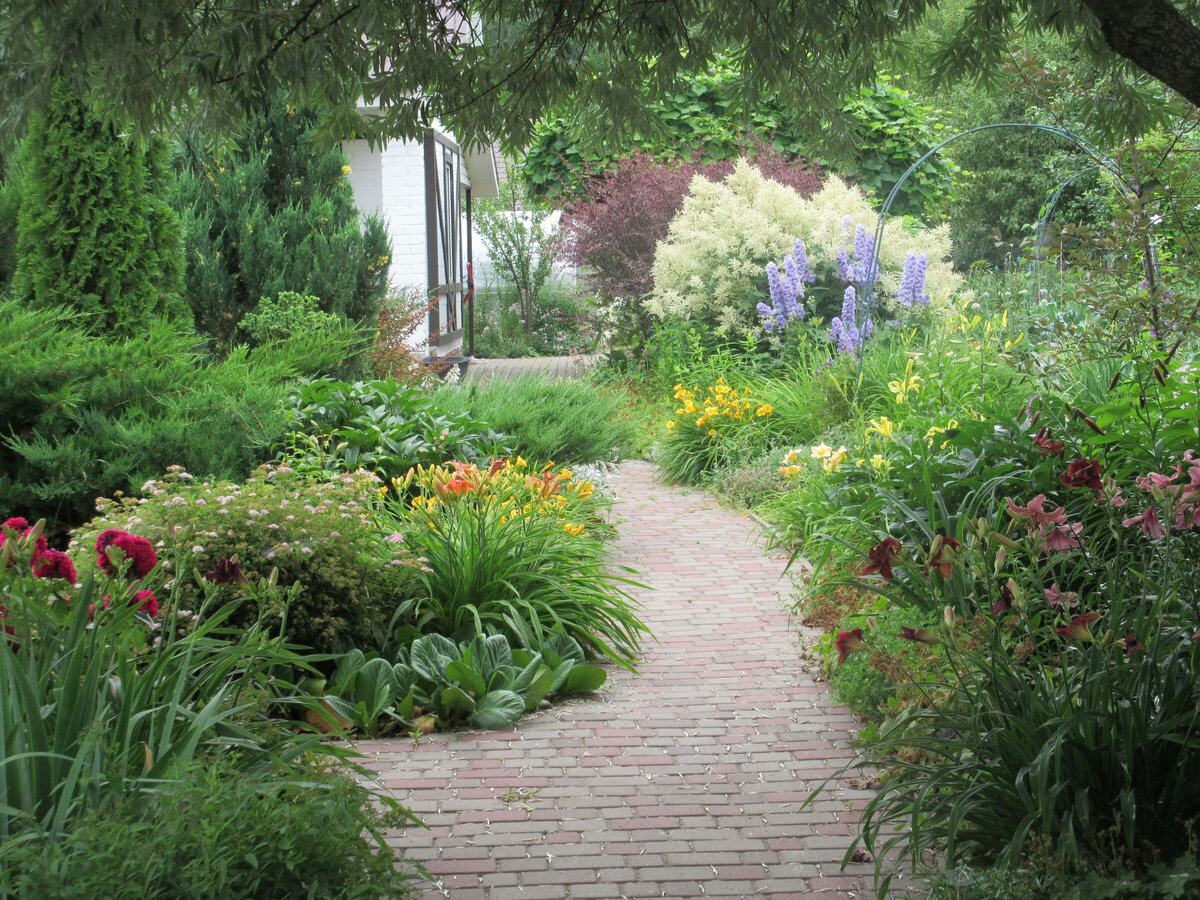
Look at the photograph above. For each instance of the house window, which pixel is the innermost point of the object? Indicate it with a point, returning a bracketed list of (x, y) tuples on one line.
[(444, 246)]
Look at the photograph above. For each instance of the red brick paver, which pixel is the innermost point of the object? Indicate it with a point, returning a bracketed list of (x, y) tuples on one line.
[(685, 780)]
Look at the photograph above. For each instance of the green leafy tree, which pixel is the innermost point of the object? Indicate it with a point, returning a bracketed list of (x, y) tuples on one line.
[(706, 116), (276, 216), (94, 232), (494, 67), (514, 230)]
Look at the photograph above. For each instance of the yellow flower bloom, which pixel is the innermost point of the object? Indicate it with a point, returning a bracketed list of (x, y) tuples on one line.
[(792, 456), (789, 471), (671, 424), (834, 459), (821, 451), (910, 382), (765, 410), (345, 170), (572, 529), (712, 432), (883, 427)]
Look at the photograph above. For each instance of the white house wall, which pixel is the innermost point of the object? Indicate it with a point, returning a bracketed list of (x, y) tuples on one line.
[(389, 181)]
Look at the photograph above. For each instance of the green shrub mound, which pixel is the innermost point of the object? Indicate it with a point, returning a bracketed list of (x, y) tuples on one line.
[(82, 416), (316, 535), (214, 832)]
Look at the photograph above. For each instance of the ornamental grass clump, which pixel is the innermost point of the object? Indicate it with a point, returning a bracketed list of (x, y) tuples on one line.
[(711, 430), (316, 535), (515, 550)]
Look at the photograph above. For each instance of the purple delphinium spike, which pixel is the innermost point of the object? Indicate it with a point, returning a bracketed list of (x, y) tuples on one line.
[(786, 291), (800, 254)]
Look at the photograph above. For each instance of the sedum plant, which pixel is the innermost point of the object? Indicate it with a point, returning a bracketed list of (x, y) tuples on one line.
[(710, 269)]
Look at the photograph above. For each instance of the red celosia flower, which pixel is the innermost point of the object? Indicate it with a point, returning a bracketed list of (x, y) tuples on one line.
[(54, 564), (942, 555), (1083, 473), (1079, 628), (917, 635), (881, 556), (22, 528), (848, 642), (148, 603), (135, 548)]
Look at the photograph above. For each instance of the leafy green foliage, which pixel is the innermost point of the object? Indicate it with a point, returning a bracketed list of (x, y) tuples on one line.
[(381, 426), (94, 232), (316, 535), (83, 417), (482, 682), (514, 230), (705, 111), (276, 214), (95, 704), (513, 553), (567, 421), (215, 831)]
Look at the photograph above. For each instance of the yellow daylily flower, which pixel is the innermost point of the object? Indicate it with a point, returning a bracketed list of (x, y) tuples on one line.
[(910, 382), (883, 427)]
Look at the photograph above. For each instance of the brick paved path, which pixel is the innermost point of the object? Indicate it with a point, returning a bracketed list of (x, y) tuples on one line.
[(683, 781)]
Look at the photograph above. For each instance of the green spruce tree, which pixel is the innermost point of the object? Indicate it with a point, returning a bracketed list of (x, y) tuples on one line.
[(276, 215), (94, 232)]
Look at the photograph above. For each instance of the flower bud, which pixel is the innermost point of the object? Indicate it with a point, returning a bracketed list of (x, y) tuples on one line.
[(1001, 558)]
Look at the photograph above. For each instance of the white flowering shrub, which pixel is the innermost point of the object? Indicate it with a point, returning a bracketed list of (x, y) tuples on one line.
[(711, 268)]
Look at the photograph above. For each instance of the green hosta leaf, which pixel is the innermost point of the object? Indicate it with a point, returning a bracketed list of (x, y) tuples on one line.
[(497, 709), (430, 656), (467, 677), (538, 687), (504, 678), (583, 678), (496, 654), (455, 700), (530, 668), (561, 671), (404, 709), (564, 647), (375, 678), (346, 669)]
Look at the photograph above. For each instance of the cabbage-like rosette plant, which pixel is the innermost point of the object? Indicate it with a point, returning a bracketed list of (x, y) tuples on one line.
[(517, 553), (712, 266)]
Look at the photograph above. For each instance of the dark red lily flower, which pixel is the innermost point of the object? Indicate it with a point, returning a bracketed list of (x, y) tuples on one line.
[(226, 570), (848, 642), (1132, 645), (1047, 446), (1079, 628), (881, 556), (1005, 603), (917, 635), (1083, 473), (942, 555)]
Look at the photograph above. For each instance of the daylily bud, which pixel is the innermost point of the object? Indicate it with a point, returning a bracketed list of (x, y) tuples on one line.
[(948, 616), (1001, 558)]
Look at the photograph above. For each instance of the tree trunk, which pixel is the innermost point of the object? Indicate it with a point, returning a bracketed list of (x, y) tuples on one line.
[(1154, 35)]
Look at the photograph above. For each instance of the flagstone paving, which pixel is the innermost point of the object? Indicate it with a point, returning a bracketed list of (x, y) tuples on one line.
[(685, 780)]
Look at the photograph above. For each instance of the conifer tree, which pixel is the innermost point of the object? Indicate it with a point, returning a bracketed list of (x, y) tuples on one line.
[(94, 231), (276, 215)]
